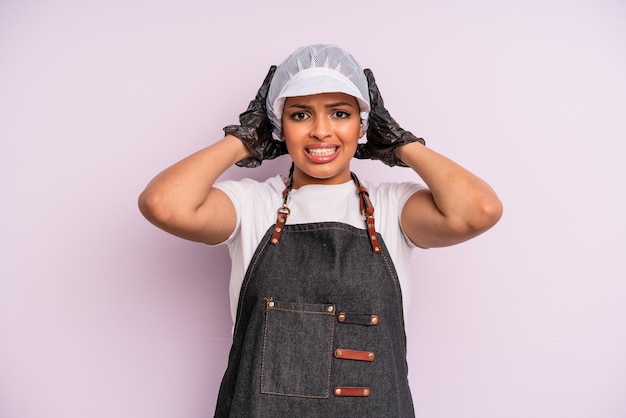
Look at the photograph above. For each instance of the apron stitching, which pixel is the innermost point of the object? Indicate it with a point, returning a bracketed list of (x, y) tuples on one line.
[(295, 396), (301, 311), (330, 350), (330, 353), (264, 345), (395, 286), (245, 288), (358, 234)]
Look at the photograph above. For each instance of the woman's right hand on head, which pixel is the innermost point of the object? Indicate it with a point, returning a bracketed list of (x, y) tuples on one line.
[(384, 134), (255, 129)]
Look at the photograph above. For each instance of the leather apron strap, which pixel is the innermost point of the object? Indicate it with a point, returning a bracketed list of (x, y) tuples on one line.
[(367, 211)]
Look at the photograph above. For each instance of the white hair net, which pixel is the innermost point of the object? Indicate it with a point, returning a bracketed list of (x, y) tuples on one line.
[(315, 69)]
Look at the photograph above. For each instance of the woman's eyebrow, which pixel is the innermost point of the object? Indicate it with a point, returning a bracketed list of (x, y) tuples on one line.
[(328, 105), (299, 106), (338, 104)]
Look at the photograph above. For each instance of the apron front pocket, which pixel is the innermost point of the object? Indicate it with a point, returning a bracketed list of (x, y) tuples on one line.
[(297, 349)]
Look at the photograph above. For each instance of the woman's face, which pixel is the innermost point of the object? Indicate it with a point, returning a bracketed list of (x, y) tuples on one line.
[(321, 132)]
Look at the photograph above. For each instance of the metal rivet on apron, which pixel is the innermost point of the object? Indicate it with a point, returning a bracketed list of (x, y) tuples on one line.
[(281, 219), (270, 303), (377, 249), (337, 391), (330, 309), (277, 230), (366, 392), (371, 356), (274, 241), (373, 237), (374, 320), (341, 317), (338, 353)]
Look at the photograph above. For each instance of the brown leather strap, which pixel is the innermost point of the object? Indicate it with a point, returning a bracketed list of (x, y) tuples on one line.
[(367, 210), (283, 213), (349, 391), (281, 217), (345, 354)]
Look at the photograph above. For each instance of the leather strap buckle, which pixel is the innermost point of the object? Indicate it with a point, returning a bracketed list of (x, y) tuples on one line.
[(367, 211), (282, 213)]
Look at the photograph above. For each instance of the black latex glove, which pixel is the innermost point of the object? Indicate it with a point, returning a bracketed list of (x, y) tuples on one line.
[(384, 134), (255, 130)]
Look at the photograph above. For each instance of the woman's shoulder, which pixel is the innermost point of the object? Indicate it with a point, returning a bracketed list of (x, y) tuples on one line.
[(392, 190), (272, 185)]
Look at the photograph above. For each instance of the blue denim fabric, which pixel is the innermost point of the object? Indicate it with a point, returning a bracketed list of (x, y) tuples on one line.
[(281, 362)]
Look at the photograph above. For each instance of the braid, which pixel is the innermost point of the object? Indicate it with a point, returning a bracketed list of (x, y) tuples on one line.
[(291, 173)]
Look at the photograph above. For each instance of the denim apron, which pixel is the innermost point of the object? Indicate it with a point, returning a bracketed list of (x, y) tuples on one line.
[(319, 329)]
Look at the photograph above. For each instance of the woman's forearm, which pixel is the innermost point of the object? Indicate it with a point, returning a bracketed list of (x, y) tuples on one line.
[(467, 204), (178, 198)]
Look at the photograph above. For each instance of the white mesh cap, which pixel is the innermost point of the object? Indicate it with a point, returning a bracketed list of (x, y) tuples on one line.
[(315, 69)]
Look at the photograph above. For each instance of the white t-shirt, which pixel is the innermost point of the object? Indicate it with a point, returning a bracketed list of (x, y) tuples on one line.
[(256, 204)]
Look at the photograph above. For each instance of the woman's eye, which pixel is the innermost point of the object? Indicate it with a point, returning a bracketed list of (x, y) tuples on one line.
[(340, 114), (298, 116)]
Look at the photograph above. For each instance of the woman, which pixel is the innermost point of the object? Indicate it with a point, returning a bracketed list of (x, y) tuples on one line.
[(315, 289)]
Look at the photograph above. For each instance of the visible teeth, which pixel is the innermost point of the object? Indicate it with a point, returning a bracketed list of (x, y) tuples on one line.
[(322, 152)]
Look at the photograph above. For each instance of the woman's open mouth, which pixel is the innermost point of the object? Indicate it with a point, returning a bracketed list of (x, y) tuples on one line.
[(321, 154)]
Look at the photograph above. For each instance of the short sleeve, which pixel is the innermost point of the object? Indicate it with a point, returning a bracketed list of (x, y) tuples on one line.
[(234, 191), (391, 198)]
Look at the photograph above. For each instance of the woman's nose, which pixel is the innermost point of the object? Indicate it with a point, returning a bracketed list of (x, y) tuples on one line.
[(320, 128)]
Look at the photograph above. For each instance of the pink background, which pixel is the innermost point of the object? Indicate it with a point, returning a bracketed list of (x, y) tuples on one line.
[(102, 315)]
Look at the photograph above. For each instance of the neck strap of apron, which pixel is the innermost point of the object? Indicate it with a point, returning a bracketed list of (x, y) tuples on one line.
[(367, 211)]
